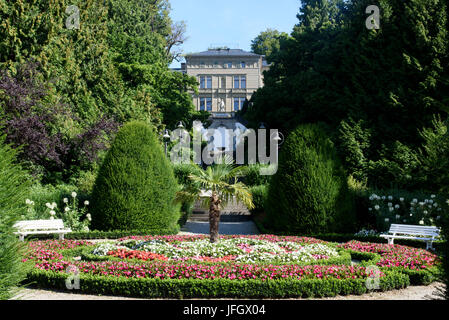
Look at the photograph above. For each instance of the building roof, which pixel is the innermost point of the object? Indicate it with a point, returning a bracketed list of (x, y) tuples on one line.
[(223, 53)]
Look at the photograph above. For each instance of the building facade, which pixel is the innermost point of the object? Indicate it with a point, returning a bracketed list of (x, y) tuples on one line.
[(226, 77)]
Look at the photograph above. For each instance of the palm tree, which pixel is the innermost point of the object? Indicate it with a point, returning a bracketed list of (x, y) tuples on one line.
[(221, 180)]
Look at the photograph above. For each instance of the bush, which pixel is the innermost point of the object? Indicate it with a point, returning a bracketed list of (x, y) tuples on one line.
[(135, 187), (309, 193), (14, 188), (259, 197), (182, 172), (253, 177)]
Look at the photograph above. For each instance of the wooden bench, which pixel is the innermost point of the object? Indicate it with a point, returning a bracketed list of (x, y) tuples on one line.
[(25, 228), (422, 233)]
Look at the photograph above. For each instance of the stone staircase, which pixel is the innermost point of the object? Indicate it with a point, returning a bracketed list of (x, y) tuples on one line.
[(233, 212)]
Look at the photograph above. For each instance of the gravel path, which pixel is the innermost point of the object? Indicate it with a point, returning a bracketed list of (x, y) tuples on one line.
[(227, 228), (410, 293)]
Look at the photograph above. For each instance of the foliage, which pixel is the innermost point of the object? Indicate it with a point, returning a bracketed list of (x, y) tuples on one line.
[(402, 207), (51, 138), (135, 187), (376, 89), (14, 188), (267, 43), (260, 194), (309, 192), (253, 177)]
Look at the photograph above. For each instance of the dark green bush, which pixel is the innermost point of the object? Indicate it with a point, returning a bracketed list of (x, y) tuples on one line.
[(14, 190), (218, 288), (135, 187), (253, 176), (309, 193), (259, 197)]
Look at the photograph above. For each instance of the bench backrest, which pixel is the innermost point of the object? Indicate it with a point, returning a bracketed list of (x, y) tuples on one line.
[(415, 230), (30, 225)]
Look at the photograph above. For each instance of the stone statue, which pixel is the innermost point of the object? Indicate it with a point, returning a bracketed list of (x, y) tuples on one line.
[(221, 105)]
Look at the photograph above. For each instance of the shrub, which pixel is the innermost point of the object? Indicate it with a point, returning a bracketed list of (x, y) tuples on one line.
[(182, 172), (259, 197), (253, 176), (309, 193), (135, 187), (14, 188)]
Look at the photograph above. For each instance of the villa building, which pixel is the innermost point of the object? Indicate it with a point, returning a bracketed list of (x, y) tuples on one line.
[(226, 77)]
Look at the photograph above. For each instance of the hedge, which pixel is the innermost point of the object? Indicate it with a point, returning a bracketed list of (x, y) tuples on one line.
[(218, 288), (117, 234)]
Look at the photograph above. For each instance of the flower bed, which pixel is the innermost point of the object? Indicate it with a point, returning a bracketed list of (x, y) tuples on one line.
[(235, 267)]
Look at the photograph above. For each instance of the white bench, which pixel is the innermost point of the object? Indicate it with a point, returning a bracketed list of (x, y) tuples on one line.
[(25, 228), (422, 233)]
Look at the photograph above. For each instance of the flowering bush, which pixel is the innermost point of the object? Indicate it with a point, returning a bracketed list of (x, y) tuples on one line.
[(390, 209), (395, 255)]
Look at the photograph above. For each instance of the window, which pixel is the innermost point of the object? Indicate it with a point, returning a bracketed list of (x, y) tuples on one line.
[(236, 82), (238, 103), (209, 104), (216, 64), (202, 82), (205, 104), (243, 64), (240, 82), (202, 104), (228, 65), (209, 82)]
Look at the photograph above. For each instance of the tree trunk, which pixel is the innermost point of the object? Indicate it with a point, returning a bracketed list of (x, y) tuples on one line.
[(214, 217)]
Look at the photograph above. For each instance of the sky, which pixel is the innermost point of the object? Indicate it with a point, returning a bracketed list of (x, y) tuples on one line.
[(234, 23)]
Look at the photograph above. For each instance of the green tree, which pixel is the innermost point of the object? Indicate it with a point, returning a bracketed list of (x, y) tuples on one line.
[(309, 193), (136, 186), (14, 189), (267, 42), (221, 180)]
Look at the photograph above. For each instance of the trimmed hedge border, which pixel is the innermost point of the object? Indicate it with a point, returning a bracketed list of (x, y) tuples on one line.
[(218, 288), (336, 237), (112, 235)]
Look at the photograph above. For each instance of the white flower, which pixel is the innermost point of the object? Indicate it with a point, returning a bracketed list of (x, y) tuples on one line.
[(421, 222), (422, 203), (48, 205), (52, 212), (390, 204), (425, 212), (89, 217), (401, 199), (391, 209), (52, 218), (28, 201), (377, 207), (370, 209), (390, 198), (54, 205), (397, 206), (433, 196), (67, 209), (398, 217), (430, 201), (86, 203), (383, 197), (74, 194), (65, 200), (387, 220), (415, 201)]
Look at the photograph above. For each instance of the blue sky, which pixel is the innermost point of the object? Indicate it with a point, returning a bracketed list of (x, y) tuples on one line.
[(231, 22)]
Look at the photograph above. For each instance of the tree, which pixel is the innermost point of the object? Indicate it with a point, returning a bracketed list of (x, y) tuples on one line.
[(267, 42), (333, 69), (309, 193), (135, 187), (221, 180), (14, 188)]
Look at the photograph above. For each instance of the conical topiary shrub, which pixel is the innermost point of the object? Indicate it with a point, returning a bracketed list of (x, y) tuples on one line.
[(309, 193), (135, 187)]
